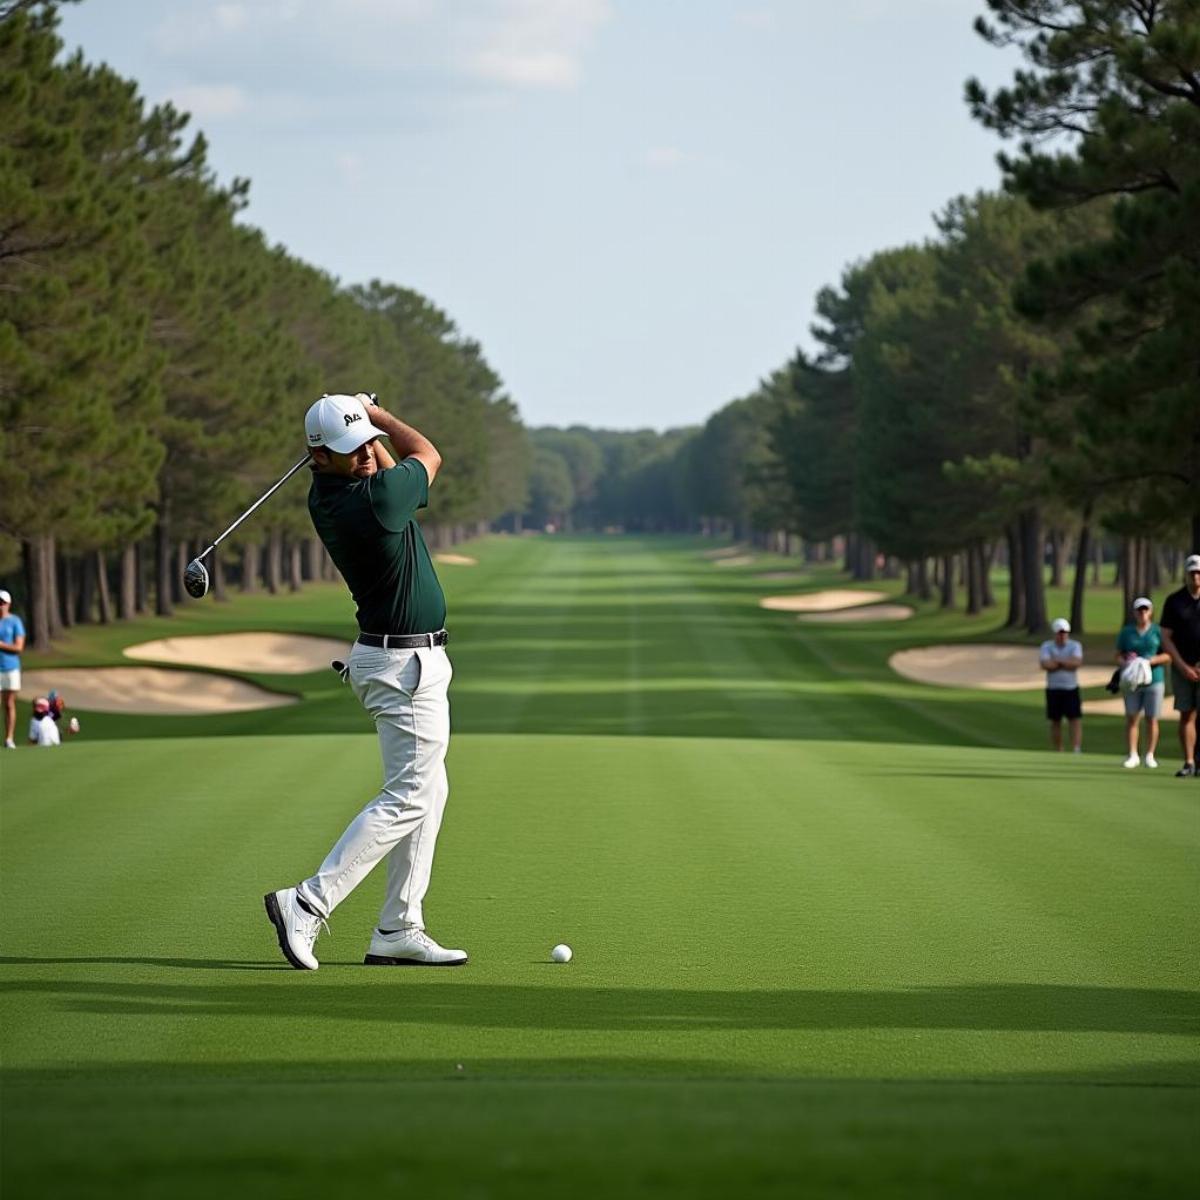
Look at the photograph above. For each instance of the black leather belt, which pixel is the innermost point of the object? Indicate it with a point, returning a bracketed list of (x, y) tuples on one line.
[(405, 641)]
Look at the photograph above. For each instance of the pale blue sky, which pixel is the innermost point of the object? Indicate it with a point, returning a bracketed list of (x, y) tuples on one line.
[(630, 203)]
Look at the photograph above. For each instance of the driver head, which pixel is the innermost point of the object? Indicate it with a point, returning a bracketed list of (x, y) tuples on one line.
[(195, 579)]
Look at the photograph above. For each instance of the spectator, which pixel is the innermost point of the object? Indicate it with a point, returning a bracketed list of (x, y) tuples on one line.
[(1142, 638), (43, 729), (1061, 659), (12, 642), (1180, 625)]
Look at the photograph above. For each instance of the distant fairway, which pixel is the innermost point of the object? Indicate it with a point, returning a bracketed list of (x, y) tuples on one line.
[(835, 932)]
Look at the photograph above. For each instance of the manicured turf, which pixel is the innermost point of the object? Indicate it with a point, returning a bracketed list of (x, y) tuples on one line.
[(835, 933)]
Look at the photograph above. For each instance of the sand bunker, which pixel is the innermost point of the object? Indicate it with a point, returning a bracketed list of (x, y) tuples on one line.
[(864, 612), (819, 601), (149, 690), (996, 668), (456, 560), (724, 551), (1115, 707), (737, 560), (261, 653), (782, 576)]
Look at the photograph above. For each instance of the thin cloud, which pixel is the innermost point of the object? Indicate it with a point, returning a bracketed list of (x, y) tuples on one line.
[(531, 43), (665, 158), (513, 44), (211, 101)]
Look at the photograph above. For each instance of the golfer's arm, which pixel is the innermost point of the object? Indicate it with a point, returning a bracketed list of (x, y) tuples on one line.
[(1071, 664), (383, 459), (1172, 651), (1048, 664), (15, 646), (406, 441)]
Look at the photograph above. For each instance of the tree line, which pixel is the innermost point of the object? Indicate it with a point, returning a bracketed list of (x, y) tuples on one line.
[(153, 346), (1025, 381)]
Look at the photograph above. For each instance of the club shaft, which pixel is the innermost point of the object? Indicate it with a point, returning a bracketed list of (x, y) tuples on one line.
[(262, 499)]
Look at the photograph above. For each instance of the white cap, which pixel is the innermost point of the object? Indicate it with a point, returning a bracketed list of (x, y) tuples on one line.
[(1142, 602), (339, 423), (5, 598), (1193, 563), (1060, 625)]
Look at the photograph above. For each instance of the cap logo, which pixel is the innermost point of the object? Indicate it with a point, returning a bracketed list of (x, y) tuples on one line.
[(314, 439), (351, 417)]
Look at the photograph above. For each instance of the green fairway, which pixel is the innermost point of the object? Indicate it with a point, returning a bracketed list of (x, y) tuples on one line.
[(835, 932)]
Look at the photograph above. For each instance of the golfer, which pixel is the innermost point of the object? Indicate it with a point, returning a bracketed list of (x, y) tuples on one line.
[(1142, 638), (1061, 658), (1180, 625), (363, 504)]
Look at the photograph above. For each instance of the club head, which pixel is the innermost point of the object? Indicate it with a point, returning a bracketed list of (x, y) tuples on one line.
[(195, 579)]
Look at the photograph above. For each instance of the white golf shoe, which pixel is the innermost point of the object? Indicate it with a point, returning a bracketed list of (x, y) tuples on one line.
[(410, 948), (1152, 762), (1131, 762), (295, 927)]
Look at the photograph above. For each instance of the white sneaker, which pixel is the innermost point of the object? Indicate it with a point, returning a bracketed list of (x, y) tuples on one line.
[(410, 948), (1132, 761), (1151, 761), (9, 744), (295, 927)]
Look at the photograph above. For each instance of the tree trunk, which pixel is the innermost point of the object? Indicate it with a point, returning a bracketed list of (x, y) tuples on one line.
[(1016, 578), (1058, 545), (274, 561), (142, 592), (182, 556), (947, 580), (974, 590), (84, 576), (37, 553), (312, 558), (1035, 578), (216, 575), (1097, 560), (1082, 551), (162, 567), (987, 557), (127, 588), (251, 566), (71, 605), (295, 575), (923, 590), (102, 594)]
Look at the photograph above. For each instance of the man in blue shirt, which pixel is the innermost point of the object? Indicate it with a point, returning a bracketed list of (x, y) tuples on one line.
[(12, 642)]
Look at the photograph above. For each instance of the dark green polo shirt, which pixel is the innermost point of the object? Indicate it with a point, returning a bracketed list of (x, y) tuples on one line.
[(368, 528)]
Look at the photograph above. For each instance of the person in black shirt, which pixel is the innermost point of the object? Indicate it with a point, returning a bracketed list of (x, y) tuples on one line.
[(1180, 625)]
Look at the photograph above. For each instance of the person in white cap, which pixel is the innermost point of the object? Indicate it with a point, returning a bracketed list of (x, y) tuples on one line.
[(12, 643), (1141, 639), (1061, 658), (1180, 624), (363, 503)]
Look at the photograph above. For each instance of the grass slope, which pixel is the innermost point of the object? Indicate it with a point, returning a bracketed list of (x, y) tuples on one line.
[(850, 956)]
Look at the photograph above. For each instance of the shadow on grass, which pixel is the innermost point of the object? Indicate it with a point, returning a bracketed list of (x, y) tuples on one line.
[(432, 998), (191, 964)]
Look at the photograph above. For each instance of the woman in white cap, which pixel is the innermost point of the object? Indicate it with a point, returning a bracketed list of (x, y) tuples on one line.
[(1061, 658), (1142, 638)]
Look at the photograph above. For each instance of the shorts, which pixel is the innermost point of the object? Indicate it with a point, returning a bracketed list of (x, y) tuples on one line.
[(1063, 702), (1148, 700), (10, 681), (1187, 693)]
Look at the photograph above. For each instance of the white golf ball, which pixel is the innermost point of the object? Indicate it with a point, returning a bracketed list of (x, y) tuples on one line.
[(561, 953)]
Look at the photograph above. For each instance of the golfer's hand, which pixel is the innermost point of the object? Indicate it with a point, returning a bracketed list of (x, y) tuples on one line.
[(1191, 674), (367, 399)]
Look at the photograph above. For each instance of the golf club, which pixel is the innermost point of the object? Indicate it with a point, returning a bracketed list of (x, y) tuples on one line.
[(195, 575)]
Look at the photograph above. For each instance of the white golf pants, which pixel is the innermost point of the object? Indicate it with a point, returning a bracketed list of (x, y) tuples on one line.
[(405, 692)]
